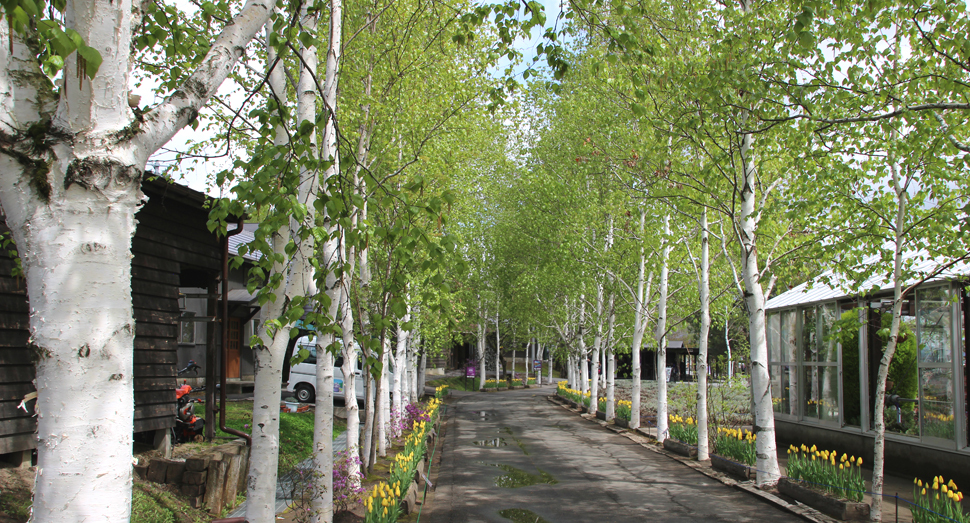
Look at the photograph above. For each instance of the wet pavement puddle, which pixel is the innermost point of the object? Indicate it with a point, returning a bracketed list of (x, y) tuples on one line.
[(517, 441), (521, 515), (496, 442), (515, 477)]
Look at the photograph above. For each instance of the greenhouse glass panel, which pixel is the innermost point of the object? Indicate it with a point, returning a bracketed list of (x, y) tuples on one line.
[(936, 403)]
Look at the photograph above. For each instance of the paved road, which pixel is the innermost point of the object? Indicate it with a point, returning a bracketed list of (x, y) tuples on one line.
[(513, 456)]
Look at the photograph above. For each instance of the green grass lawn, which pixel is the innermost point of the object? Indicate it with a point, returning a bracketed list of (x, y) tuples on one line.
[(455, 383), (296, 431), (152, 504)]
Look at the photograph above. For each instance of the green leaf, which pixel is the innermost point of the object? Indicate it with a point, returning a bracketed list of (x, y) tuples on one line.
[(92, 59)]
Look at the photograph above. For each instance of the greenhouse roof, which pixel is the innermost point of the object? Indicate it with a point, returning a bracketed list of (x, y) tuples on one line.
[(815, 291)]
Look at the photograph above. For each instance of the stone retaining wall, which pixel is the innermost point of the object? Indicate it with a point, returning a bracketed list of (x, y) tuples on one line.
[(210, 479)]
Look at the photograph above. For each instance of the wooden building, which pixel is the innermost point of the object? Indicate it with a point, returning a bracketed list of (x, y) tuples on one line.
[(172, 248)]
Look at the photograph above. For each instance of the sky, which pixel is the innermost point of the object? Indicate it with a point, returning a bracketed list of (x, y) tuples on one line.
[(200, 176)]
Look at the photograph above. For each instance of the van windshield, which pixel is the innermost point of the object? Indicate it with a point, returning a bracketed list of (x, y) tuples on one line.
[(311, 347)]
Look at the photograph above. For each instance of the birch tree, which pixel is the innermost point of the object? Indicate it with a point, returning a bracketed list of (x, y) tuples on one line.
[(73, 158)]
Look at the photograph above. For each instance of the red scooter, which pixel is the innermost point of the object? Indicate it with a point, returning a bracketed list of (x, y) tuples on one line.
[(188, 426)]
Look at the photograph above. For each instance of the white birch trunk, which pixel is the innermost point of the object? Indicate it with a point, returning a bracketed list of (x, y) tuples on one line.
[(764, 419), (270, 356), (639, 328), (528, 359), (498, 351), (662, 428), (349, 369), (70, 205), (512, 368), (549, 363), (422, 374), (571, 371), (610, 364), (322, 504), (400, 375), (879, 444), (727, 342), (480, 344), (413, 345), (82, 332), (705, 295), (370, 418), (597, 345), (384, 401), (583, 354)]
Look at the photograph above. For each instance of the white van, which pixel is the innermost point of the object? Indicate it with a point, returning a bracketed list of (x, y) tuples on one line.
[(303, 376)]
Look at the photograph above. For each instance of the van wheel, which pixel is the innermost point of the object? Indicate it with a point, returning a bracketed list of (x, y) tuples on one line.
[(304, 393)]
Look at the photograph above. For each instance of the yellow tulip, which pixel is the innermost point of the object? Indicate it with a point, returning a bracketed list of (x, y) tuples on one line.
[(924, 492), (859, 463)]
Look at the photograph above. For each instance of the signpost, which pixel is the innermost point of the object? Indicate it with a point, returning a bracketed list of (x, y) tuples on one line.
[(537, 365), (471, 370)]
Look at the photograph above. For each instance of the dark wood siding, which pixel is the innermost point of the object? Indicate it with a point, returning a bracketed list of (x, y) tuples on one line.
[(16, 365), (171, 236)]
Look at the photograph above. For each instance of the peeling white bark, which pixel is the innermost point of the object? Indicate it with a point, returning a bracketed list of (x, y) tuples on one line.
[(71, 205), (597, 344), (764, 419), (322, 503), (879, 444), (639, 328), (610, 364), (270, 355), (498, 350), (705, 297), (383, 420), (480, 343), (662, 425)]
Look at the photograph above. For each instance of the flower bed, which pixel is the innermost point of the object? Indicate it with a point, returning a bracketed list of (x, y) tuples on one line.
[(737, 445), (842, 477), (441, 392), (491, 385), (624, 409), (942, 502), (734, 452), (683, 429), (384, 502), (531, 381), (837, 508), (571, 395), (516, 382)]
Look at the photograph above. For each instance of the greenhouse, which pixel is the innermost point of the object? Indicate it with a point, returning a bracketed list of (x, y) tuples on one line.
[(825, 347)]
